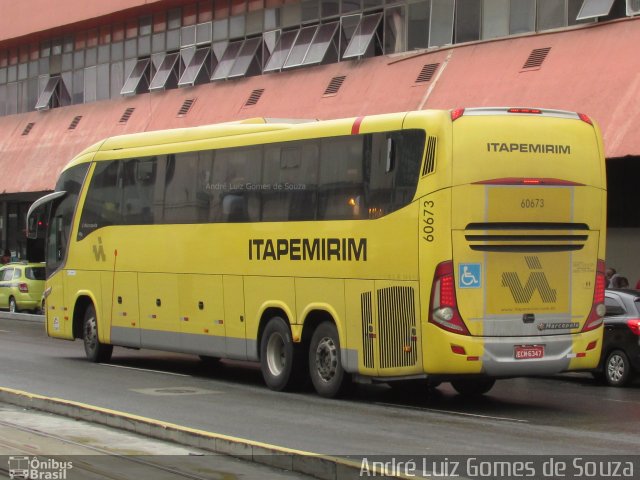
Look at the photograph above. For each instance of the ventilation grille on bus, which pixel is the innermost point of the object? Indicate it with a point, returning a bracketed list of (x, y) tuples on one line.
[(186, 106), (127, 115), (536, 57), (74, 123), (28, 128), (523, 237), (397, 327), (254, 97), (430, 156), (367, 329), (334, 85), (427, 72)]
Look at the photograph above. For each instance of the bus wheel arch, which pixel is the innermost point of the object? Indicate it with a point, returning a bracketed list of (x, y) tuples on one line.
[(281, 360), (85, 326)]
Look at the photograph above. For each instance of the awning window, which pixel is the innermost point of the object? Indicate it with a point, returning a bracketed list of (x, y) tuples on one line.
[(301, 46), (167, 74), (55, 94), (365, 34), (324, 45), (228, 59), (138, 80), (197, 70), (249, 58), (594, 9), (281, 52)]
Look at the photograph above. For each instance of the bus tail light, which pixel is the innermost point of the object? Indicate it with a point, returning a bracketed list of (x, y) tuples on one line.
[(634, 325), (23, 287), (597, 308), (585, 118), (444, 306)]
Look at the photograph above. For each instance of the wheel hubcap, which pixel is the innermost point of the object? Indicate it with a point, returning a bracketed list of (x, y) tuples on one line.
[(326, 359), (276, 358), (615, 368)]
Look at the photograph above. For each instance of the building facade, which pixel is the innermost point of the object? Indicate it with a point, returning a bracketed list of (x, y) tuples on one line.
[(74, 72)]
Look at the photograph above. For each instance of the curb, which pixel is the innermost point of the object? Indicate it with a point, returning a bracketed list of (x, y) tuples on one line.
[(23, 317), (319, 466)]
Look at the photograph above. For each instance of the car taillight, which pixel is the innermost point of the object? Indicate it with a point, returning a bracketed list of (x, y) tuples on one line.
[(444, 306), (634, 325), (23, 287), (597, 308)]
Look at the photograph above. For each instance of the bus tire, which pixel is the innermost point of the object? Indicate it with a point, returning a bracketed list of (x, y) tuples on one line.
[(95, 351), (617, 370), (325, 365), (473, 386), (279, 356)]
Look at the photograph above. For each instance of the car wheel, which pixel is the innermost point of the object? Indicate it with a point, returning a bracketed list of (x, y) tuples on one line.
[(473, 386), (617, 369), (280, 359), (325, 365), (96, 352), (13, 306)]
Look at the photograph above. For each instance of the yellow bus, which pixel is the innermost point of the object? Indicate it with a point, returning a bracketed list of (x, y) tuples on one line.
[(459, 246)]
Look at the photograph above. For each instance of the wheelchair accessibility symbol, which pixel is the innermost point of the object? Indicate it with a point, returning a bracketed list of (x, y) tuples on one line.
[(469, 275)]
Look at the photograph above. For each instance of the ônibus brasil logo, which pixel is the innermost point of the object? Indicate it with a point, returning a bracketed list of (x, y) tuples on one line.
[(34, 468)]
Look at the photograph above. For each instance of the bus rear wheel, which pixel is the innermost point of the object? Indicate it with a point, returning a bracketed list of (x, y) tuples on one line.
[(473, 386), (280, 359), (96, 352), (325, 366)]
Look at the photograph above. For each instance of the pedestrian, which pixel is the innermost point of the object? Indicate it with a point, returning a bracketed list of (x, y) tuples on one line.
[(6, 257), (609, 272), (618, 281)]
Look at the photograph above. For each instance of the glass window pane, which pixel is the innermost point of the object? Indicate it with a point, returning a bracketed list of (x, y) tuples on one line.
[(441, 28), (551, 14), (468, 21), (329, 8), (321, 43), (116, 78), (522, 16), (594, 9), (166, 71), (279, 56), (203, 33), (78, 87), (255, 22), (195, 66), (91, 57), (188, 36), (158, 42), (349, 6), (310, 10), (103, 82), (228, 59), (364, 35), (495, 19), (139, 77), (220, 30), (237, 26), (291, 15), (90, 84), (301, 46), (394, 30), (246, 56)]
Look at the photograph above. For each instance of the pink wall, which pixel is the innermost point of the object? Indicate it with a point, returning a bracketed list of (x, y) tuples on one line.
[(23, 17)]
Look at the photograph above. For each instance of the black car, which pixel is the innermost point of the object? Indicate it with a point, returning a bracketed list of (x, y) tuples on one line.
[(620, 359)]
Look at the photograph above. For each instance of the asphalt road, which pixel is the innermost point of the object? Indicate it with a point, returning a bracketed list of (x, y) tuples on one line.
[(563, 415)]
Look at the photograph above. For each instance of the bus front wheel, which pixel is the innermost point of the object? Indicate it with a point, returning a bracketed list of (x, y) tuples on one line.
[(96, 352), (325, 366), (280, 360)]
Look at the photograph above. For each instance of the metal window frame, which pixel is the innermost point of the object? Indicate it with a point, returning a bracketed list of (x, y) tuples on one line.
[(281, 53), (248, 55), (55, 94), (167, 74), (304, 39), (225, 64), (592, 9), (317, 51), (140, 71), (360, 42), (194, 71)]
